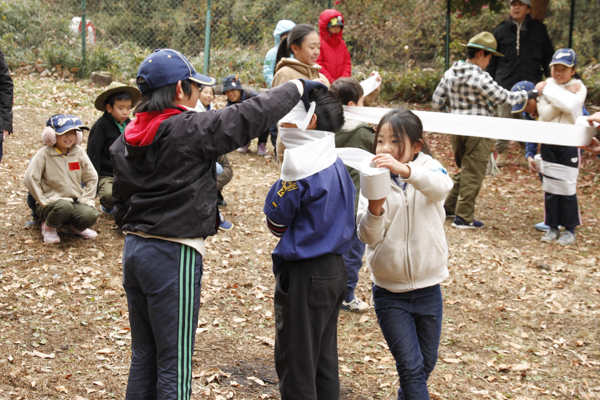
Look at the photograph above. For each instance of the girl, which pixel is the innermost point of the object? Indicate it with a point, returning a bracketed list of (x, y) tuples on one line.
[(406, 249), (63, 181), (334, 56), (207, 95), (562, 102), (304, 46)]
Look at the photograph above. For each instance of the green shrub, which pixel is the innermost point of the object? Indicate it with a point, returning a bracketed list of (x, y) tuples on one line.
[(412, 86)]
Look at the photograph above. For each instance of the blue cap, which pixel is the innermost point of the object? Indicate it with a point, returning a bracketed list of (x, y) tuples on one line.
[(231, 82), (566, 57), (523, 85), (63, 123), (166, 67)]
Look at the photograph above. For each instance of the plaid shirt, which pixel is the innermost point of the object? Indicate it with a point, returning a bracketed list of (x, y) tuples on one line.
[(466, 89)]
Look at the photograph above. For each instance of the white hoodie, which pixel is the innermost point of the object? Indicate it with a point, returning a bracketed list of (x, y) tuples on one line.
[(406, 245)]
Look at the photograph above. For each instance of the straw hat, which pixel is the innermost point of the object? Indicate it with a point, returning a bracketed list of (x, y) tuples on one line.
[(116, 87)]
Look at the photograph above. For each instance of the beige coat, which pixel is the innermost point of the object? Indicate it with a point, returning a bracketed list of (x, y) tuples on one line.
[(288, 69), (51, 177)]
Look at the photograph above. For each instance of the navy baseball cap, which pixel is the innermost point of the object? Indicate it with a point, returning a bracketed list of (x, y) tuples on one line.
[(63, 123), (566, 57), (166, 67), (523, 85)]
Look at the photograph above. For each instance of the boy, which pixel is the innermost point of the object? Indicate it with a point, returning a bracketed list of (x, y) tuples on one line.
[(466, 89), (115, 102), (63, 181), (165, 194), (362, 136), (232, 88), (334, 57)]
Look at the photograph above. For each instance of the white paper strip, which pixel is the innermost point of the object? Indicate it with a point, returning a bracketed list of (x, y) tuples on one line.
[(374, 182), (487, 127), (370, 84)]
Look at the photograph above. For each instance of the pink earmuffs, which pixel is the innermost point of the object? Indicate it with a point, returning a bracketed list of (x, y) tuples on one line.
[(49, 136)]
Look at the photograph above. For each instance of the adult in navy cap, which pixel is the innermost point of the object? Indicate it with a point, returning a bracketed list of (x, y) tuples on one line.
[(165, 195), (527, 51)]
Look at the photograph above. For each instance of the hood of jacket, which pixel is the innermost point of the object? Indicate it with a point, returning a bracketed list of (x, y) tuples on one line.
[(324, 19), (461, 71), (142, 130), (282, 27)]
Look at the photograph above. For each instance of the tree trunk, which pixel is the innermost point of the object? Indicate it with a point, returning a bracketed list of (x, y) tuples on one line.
[(539, 9)]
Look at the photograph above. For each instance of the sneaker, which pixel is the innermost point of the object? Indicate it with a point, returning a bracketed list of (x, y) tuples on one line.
[(224, 225), (87, 233), (542, 227), (32, 224), (355, 305), (49, 234), (449, 215), (244, 149), (461, 224), (221, 203), (108, 211), (566, 239), (262, 150), (550, 236)]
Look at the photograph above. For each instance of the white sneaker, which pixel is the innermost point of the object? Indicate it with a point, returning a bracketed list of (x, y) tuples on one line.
[(49, 234), (566, 239), (550, 236), (355, 305), (87, 233)]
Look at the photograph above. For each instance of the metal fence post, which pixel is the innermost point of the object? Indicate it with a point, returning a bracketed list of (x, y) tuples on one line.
[(447, 62), (329, 4), (83, 31), (206, 37), (571, 24)]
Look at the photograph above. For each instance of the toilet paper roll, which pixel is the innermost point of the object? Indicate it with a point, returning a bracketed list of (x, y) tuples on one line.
[(374, 182)]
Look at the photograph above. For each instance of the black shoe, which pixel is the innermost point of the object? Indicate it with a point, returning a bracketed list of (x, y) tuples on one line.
[(462, 224), (221, 203)]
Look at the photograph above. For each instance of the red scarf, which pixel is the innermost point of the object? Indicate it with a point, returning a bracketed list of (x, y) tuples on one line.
[(141, 131)]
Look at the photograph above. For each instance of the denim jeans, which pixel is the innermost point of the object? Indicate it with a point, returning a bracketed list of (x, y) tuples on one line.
[(411, 323), (353, 260)]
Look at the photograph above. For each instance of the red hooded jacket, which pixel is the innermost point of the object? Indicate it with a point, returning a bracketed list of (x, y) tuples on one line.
[(334, 57)]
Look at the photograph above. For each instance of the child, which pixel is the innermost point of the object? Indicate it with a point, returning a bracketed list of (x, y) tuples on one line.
[(406, 249), (207, 95), (334, 57), (115, 102), (62, 180), (562, 102), (362, 136), (467, 89), (303, 44), (232, 88), (165, 193), (311, 208), (280, 33), (6, 102)]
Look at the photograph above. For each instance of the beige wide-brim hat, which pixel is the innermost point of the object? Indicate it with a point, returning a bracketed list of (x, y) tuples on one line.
[(484, 41), (116, 87)]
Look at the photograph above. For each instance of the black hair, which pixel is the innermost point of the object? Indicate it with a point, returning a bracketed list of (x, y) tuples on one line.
[(471, 53), (296, 36), (119, 96), (348, 89), (160, 98), (329, 111), (202, 87), (404, 123)]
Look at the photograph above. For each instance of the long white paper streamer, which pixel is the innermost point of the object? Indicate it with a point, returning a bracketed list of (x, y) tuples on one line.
[(487, 127), (558, 179), (369, 85)]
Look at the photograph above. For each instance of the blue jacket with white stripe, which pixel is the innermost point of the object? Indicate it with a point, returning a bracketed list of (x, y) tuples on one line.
[(313, 216)]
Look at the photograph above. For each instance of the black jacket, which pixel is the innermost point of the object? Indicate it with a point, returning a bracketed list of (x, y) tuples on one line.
[(6, 98), (247, 94), (169, 187), (534, 55), (102, 135)]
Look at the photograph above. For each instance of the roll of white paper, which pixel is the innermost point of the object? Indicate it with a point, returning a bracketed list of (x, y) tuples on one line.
[(374, 182)]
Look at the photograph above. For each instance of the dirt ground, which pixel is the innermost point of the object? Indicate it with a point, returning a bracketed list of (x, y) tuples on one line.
[(520, 320)]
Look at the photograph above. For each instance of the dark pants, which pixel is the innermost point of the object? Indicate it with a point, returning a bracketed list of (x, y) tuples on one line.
[(32, 204), (558, 209), (308, 297), (105, 185), (273, 131), (63, 212), (471, 155), (162, 282), (411, 323), (353, 260), (263, 138)]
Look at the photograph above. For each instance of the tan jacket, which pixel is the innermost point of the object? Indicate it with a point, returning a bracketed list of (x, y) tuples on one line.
[(288, 69), (52, 176)]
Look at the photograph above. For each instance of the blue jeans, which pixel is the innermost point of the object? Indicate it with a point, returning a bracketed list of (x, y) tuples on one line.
[(353, 260), (411, 323)]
